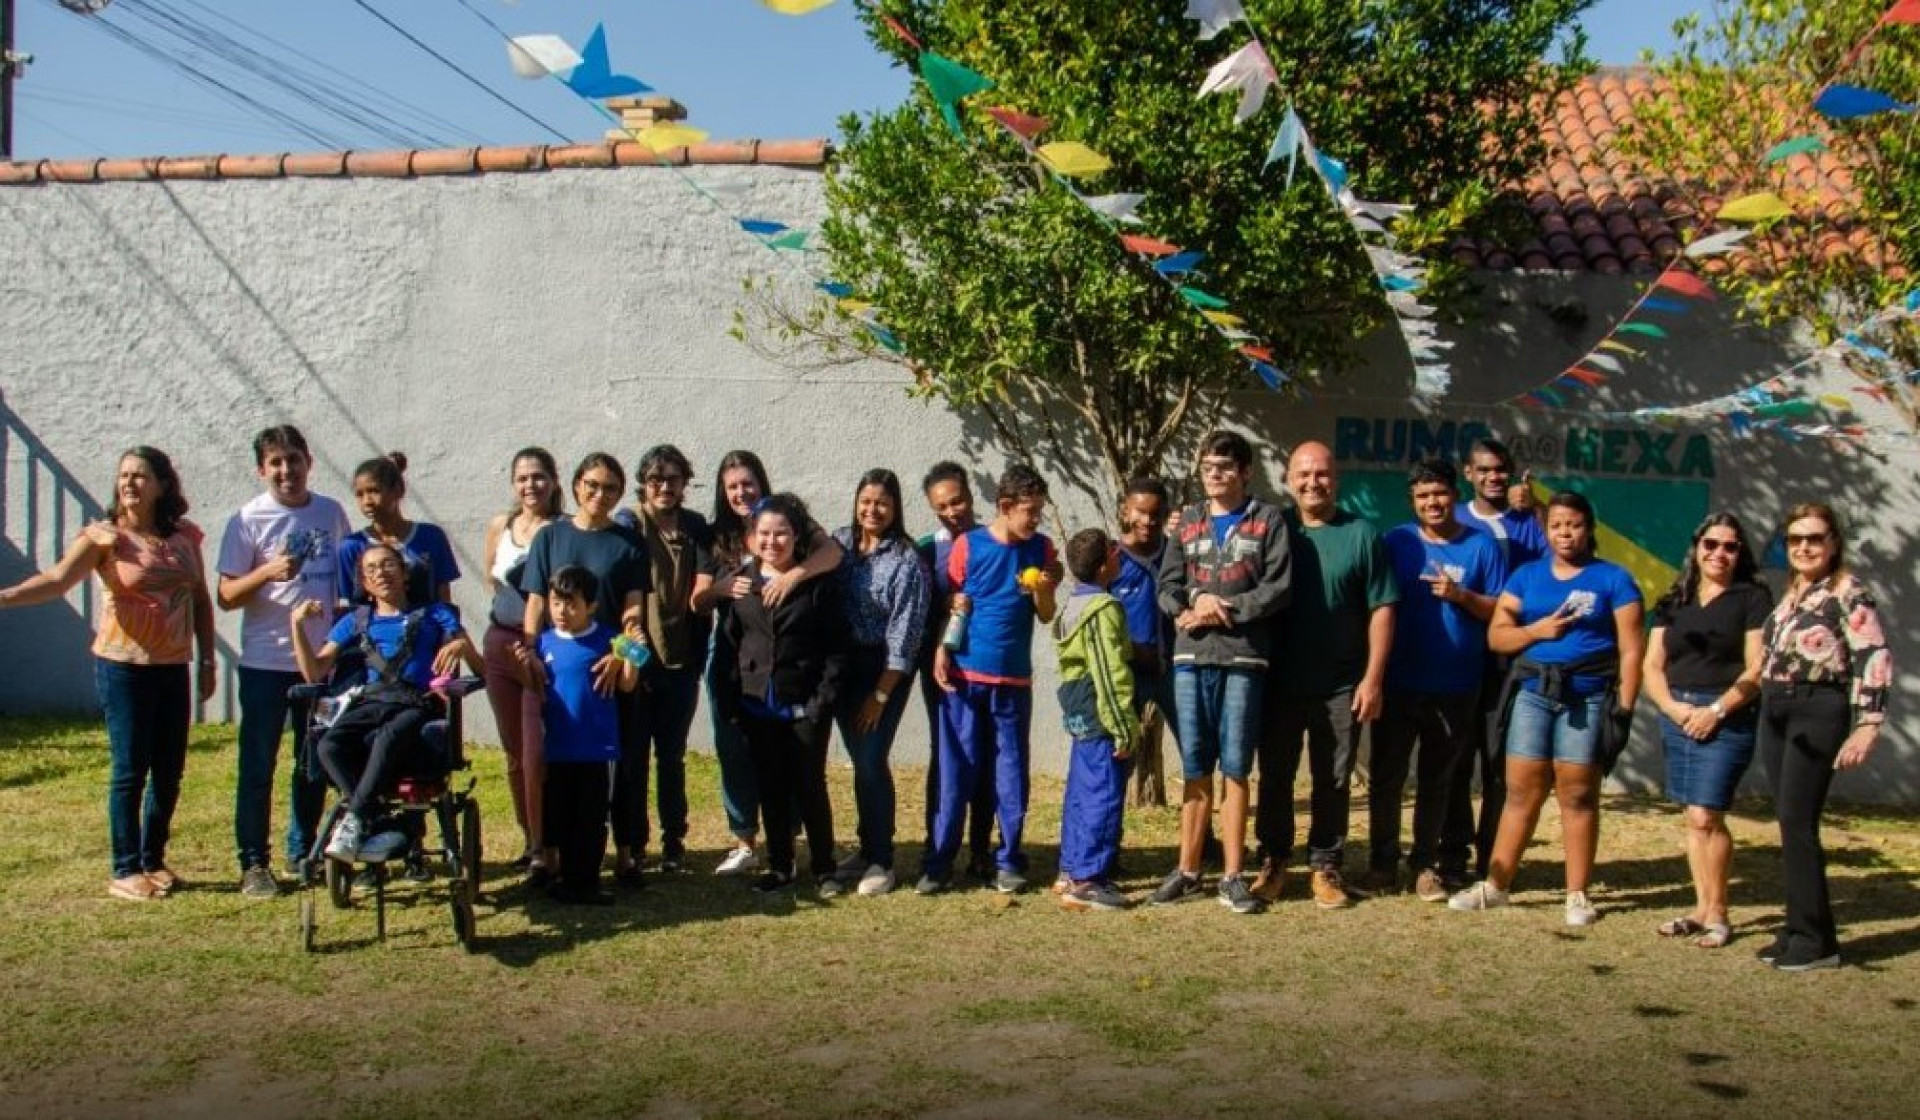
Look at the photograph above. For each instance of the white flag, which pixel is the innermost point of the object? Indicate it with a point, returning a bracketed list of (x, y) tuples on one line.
[(1247, 70), (1215, 16), (536, 56)]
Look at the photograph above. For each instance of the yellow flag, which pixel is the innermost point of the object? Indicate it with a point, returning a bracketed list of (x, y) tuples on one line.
[(1073, 159), (661, 137), (1836, 401), (796, 7), (1762, 207), (1618, 347), (1225, 318), (854, 306)]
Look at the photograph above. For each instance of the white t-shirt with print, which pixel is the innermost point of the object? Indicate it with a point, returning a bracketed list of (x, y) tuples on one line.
[(261, 531)]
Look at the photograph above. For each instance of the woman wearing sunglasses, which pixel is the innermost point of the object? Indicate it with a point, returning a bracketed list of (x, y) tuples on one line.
[(1823, 698), (1703, 674)]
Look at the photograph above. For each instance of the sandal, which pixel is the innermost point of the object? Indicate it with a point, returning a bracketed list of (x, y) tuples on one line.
[(164, 881), (1716, 936), (1681, 927), (134, 888)]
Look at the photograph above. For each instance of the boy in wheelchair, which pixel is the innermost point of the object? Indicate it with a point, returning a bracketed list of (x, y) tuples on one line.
[(374, 735)]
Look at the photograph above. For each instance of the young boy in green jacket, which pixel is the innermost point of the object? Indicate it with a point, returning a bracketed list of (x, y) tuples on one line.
[(1096, 702)]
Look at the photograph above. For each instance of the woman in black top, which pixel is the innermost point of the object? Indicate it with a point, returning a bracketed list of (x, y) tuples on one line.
[(1703, 673), (780, 687)]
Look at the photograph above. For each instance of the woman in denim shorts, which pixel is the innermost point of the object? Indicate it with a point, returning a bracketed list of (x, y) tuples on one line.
[(1703, 673), (1562, 618)]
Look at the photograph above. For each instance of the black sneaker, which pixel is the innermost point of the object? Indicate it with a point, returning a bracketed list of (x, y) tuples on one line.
[(417, 870), (1771, 952), (1178, 886), (929, 884), (258, 882), (1009, 882), (773, 882), (829, 886), (1235, 896), (1805, 962)]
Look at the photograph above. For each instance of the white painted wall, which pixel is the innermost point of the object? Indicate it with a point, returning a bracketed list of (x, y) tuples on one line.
[(457, 319)]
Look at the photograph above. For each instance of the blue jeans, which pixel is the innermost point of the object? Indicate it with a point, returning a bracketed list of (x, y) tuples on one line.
[(739, 790), (266, 712), (987, 728), (873, 795), (1707, 773), (1548, 731), (148, 708), (662, 717), (1217, 713)]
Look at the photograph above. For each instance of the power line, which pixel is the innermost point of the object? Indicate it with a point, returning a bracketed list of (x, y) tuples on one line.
[(456, 68)]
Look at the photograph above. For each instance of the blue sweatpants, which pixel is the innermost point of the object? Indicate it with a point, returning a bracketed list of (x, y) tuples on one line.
[(1090, 818), (987, 726)]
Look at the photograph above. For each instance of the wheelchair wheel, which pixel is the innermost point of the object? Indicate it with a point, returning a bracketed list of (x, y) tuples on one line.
[(470, 845), (307, 922), (461, 901), (340, 883)]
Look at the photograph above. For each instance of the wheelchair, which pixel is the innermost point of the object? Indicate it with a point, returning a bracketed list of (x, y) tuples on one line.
[(427, 783)]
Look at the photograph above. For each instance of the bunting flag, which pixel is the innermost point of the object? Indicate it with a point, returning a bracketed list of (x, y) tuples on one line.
[(665, 137), (796, 7), (1903, 11), (1247, 70), (1072, 159), (1215, 16), (1287, 142), (1798, 146), (594, 77), (1180, 263), (1844, 102), (1022, 125), (1763, 207), (1715, 244), (541, 56), (762, 227), (949, 81), (1118, 207)]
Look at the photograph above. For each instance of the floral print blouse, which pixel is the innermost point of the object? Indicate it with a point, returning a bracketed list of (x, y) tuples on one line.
[(1826, 635)]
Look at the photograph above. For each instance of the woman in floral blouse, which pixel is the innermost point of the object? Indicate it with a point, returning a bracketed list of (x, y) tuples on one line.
[(1824, 688)]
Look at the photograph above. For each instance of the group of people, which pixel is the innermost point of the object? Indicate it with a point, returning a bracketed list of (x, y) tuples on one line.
[(1484, 642)]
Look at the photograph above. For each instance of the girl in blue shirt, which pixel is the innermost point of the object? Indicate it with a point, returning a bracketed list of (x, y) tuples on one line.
[(1557, 612)]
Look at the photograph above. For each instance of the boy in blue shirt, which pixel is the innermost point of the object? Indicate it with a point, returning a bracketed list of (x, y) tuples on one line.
[(1004, 576), (1096, 704), (582, 736)]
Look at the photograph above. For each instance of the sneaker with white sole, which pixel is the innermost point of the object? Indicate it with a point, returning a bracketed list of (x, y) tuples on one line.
[(1480, 896), (876, 881), (1580, 911), (1178, 886), (740, 860), (257, 882), (829, 886), (1093, 896), (1009, 882), (1329, 889), (345, 842), (1235, 896)]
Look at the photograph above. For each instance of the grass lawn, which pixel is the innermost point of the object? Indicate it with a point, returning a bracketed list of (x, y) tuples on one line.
[(695, 998)]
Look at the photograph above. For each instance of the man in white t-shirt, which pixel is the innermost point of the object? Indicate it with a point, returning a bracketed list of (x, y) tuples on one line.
[(278, 550)]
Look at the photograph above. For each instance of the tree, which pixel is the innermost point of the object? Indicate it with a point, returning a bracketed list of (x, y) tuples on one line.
[(1745, 82), (1010, 299)]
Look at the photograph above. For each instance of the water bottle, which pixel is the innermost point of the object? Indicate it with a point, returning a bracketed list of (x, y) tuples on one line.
[(954, 637), (633, 653)]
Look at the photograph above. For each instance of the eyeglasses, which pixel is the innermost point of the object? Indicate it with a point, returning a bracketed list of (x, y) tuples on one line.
[(595, 486), (1218, 466), (1795, 540), (665, 480), (1708, 544)]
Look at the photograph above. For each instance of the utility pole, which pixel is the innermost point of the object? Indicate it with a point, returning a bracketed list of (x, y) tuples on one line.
[(10, 66)]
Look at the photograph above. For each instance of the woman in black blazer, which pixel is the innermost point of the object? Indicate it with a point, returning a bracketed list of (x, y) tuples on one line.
[(780, 689)]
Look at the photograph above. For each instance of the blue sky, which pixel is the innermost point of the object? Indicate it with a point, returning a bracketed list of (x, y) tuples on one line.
[(741, 69)]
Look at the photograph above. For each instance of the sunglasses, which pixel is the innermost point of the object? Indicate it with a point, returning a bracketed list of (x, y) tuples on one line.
[(1794, 540), (1708, 544)]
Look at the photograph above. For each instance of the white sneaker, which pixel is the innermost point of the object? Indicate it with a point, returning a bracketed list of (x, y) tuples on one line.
[(739, 861), (345, 843), (1480, 896), (877, 881), (1580, 912)]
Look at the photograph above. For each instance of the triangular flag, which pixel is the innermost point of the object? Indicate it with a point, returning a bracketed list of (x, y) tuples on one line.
[(1763, 207), (1180, 263), (1333, 170), (762, 227), (1206, 300), (949, 81), (886, 338), (1585, 377), (794, 240), (1072, 159), (1023, 125), (1685, 283), (1260, 352), (1844, 102), (1619, 348), (1247, 70), (1147, 246), (1717, 243), (1799, 145), (1385, 211), (1647, 329), (1215, 16), (664, 137), (1835, 400), (1287, 142), (594, 77), (1224, 318), (1903, 11), (835, 288), (796, 7), (1119, 207), (853, 306), (1612, 365), (536, 56), (1269, 374), (1399, 284)]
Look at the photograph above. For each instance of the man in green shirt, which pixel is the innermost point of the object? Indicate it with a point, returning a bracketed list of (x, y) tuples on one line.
[(1327, 679)]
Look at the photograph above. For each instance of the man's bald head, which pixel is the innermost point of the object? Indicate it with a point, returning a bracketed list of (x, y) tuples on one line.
[(1312, 480)]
